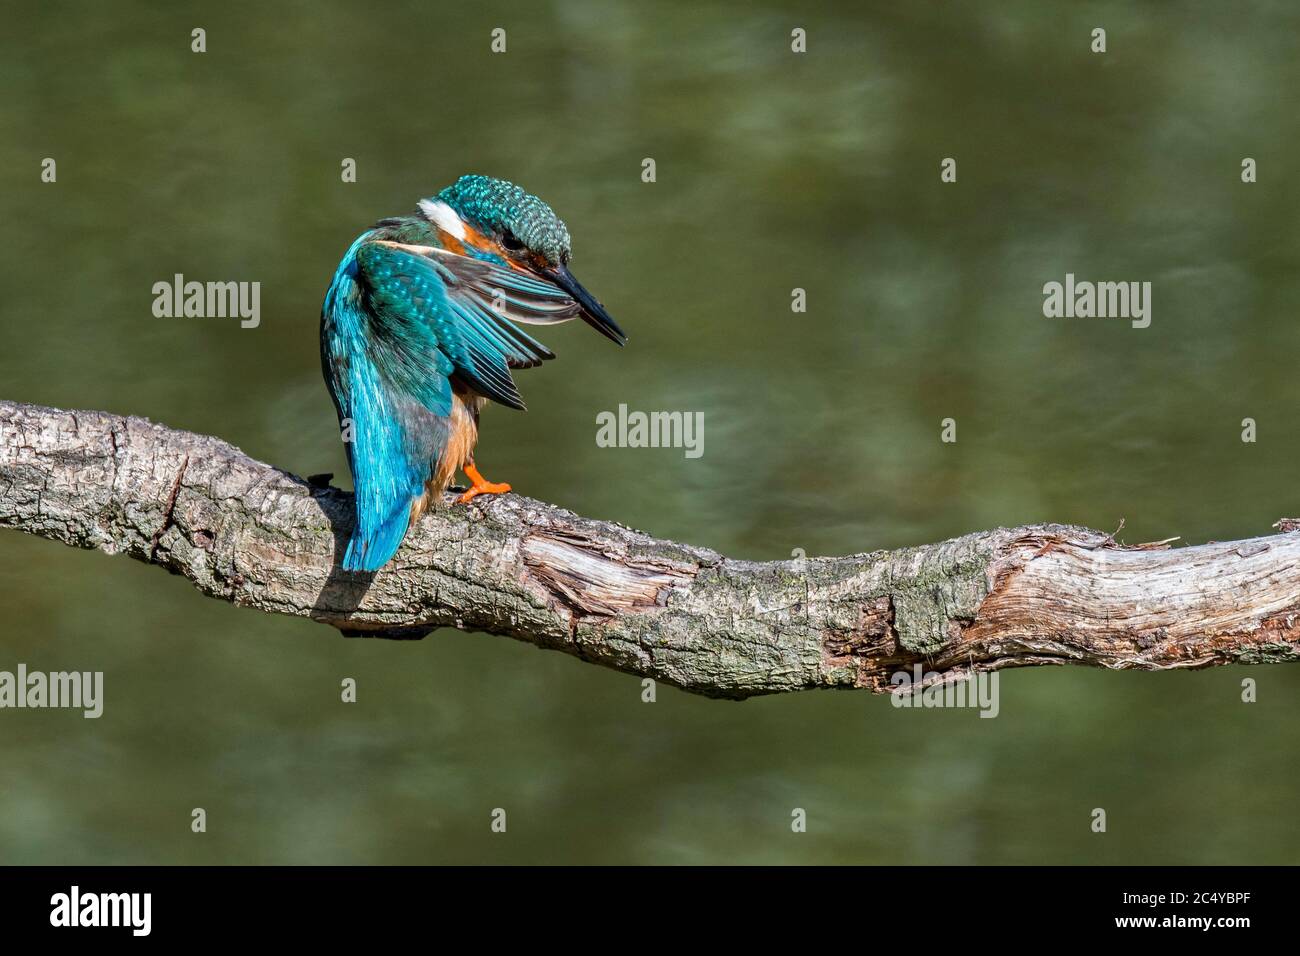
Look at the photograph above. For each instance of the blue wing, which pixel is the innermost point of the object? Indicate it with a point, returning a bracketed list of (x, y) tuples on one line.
[(398, 325)]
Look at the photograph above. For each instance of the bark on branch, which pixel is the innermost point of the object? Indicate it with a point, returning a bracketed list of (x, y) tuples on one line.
[(259, 537)]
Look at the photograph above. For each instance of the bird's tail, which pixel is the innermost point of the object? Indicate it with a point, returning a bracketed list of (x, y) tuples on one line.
[(371, 548)]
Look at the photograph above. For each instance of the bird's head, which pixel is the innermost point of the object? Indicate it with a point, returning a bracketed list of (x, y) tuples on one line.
[(493, 219)]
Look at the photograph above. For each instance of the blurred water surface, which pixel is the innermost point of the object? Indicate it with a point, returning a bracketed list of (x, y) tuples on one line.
[(775, 171)]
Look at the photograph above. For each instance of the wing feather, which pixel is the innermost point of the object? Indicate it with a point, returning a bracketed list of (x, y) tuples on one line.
[(427, 300)]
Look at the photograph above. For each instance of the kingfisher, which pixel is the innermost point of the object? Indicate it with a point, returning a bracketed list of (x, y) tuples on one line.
[(419, 330)]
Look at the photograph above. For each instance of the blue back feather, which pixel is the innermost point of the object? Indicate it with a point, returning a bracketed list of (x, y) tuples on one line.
[(390, 459)]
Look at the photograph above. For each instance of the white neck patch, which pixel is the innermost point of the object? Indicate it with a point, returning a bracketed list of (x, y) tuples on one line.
[(443, 216)]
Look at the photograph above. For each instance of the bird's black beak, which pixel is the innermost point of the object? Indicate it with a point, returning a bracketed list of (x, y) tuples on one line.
[(593, 313)]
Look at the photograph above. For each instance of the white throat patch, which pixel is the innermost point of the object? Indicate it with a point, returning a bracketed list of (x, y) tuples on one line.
[(443, 216)]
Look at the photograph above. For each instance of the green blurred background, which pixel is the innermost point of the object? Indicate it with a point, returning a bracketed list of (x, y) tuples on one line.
[(775, 171)]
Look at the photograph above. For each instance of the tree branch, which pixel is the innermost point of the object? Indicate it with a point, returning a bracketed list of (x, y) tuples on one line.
[(259, 537)]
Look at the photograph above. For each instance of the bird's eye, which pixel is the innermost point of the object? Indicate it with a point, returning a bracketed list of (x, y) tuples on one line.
[(510, 242)]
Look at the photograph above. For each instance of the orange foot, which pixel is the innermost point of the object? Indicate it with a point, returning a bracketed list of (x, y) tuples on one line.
[(481, 486)]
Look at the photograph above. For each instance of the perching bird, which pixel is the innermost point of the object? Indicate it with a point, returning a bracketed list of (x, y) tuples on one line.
[(417, 333)]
